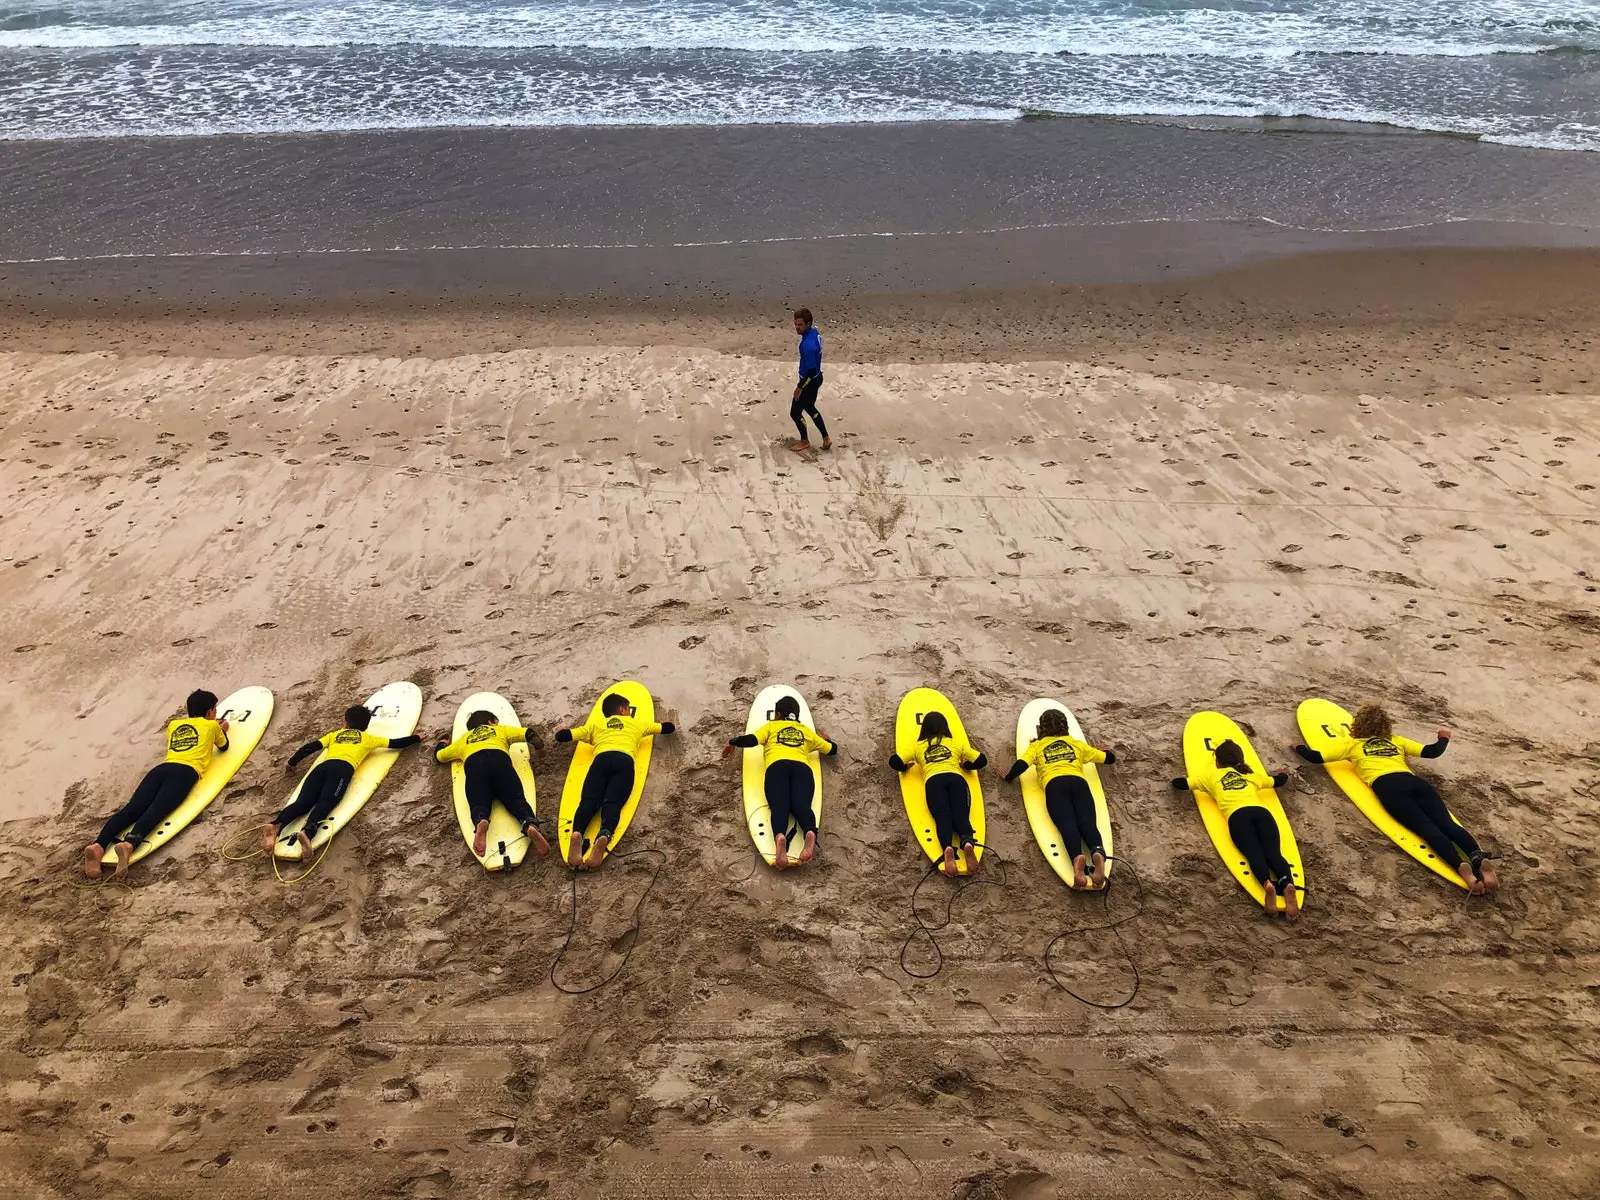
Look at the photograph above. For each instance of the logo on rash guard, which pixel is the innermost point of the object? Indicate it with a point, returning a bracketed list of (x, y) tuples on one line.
[(614, 723), (481, 734), (1380, 748), (184, 737), (1060, 752), (792, 736), (936, 753), (1232, 781), (348, 737)]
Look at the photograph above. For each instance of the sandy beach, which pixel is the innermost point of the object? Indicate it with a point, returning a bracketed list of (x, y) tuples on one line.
[(1366, 473)]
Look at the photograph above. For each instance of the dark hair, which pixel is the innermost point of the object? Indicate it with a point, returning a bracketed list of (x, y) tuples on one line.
[(1229, 754), (787, 707), (803, 314), (1053, 723), (482, 717), (933, 726), (1371, 722), (613, 704), (200, 702), (357, 716)]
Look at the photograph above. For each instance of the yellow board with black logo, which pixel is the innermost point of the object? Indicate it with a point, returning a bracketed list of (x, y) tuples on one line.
[(583, 754), (755, 774), (247, 712), (1059, 856), (508, 845), (396, 707), (1322, 723), (908, 721), (1201, 736)]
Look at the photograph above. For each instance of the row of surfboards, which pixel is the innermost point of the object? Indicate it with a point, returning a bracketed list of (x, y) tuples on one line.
[(397, 707)]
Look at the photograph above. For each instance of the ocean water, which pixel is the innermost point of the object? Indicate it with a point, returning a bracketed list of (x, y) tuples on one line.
[(1526, 72)]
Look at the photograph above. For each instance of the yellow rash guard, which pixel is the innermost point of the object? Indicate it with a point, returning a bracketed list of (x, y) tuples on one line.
[(1231, 789), (349, 745), (1373, 757), (943, 756), (615, 733), (789, 741), (1054, 757), (190, 741), (484, 737)]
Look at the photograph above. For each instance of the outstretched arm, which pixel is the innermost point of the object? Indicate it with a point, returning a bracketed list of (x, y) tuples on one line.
[(1310, 755), (899, 764), (1437, 747), (977, 764), (304, 753), (1181, 784), (1017, 771), (400, 743)]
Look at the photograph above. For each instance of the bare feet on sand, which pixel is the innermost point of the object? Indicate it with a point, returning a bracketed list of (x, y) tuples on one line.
[(800, 447), (1291, 902), (540, 845), (948, 866), (1491, 881), (827, 443), (92, 854), (124, 857), (305, 844), (971, 855), (269, 835), (480, 838), (1269, 899), (810, 850), (597, 852), (1079, 878), (1474, 884), (1098, 879), (575, 851), (781, 858)]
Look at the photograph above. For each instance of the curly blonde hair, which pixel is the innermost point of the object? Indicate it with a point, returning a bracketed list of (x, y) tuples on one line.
[(1371, 722)]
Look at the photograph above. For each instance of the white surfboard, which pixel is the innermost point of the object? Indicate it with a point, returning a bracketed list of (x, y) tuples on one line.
[(508, 845), (755, 795), (1045, 832)]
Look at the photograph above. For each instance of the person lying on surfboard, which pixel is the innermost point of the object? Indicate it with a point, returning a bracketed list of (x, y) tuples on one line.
[(943, 757), (1251, 824), (490, 776), (609, 782), (342, 752), (190, 742), (1059, 758), (786, 749), (1380, 759)]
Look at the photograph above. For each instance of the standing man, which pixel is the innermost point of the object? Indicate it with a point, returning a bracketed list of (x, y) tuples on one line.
[(805, 394)]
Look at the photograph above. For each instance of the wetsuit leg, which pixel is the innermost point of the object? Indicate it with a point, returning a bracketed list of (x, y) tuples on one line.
[(1415, 803), (160, 791), (802, 792), (1058, 802), (950, 803), (808, 403), (319, 794), (789, 790), (479, 786), (507, 786), (1255, 832), (606, 789)]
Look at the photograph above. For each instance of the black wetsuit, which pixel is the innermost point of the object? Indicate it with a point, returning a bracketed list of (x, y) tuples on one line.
[(161, 791), (491, 776), (789, 788), (1070, 803), (949, 801), (1254, 831), (325, 786), (606, 789)]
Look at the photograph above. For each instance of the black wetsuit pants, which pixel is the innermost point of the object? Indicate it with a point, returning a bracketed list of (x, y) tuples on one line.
[(1255, 832), (1413, 802), (806, 402), (790, 788), (161, 790), (1071, 807), (319, 795), (492, 776), (950, 803), (606, 789)]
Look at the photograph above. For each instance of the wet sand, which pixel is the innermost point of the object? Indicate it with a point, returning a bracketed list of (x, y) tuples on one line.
[(1368, 475)]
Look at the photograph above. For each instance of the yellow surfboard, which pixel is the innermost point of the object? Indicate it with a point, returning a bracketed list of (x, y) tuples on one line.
[(583, 754), (396, 708), (755, 773), (1203, 733), (917, 703), (507, 845), (247, 712), (1322, 722), (1045, 832)]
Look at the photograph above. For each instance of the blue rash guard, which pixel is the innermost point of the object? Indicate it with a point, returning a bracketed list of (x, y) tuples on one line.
[(810, 355)]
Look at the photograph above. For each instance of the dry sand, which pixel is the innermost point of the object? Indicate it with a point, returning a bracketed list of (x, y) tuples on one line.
[(1415, 524)]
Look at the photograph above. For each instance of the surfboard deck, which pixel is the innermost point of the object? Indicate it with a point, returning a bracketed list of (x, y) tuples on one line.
[(755, 798), (507, 845), (396, 708), (247, 712), (1058, 855), (1322, 722), (583, 754), (916, 703), (1201, 734)]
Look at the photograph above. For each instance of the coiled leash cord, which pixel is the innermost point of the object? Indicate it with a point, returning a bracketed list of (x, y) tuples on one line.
[(927, 930), (638, 908), (1115, 927)]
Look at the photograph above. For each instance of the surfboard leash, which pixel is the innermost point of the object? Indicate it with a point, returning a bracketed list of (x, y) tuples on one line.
[(232, 843), (926, 930), (638, 920), (1115, 927)]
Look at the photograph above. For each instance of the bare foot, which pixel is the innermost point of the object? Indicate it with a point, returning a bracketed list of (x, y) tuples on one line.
[(597, 852), (92, 854), (1491, 881), (971, 855), (781, 858), (540, 845), (799, 447), (124, 857), (1291, 902), (1474, 884), (1098, 879), (827, 443), (810, 850), (1269, 900), (948, 866), (480, 839), (305, 845), (575, 851), (269, 835), (1079, 879)]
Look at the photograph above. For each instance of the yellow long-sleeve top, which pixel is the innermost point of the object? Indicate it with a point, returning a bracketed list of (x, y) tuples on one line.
[(1054, 757), (1373, 757), (789, 741), (1231, 789), (190, 741), (615, 733), (483, 737), (943, 756)]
